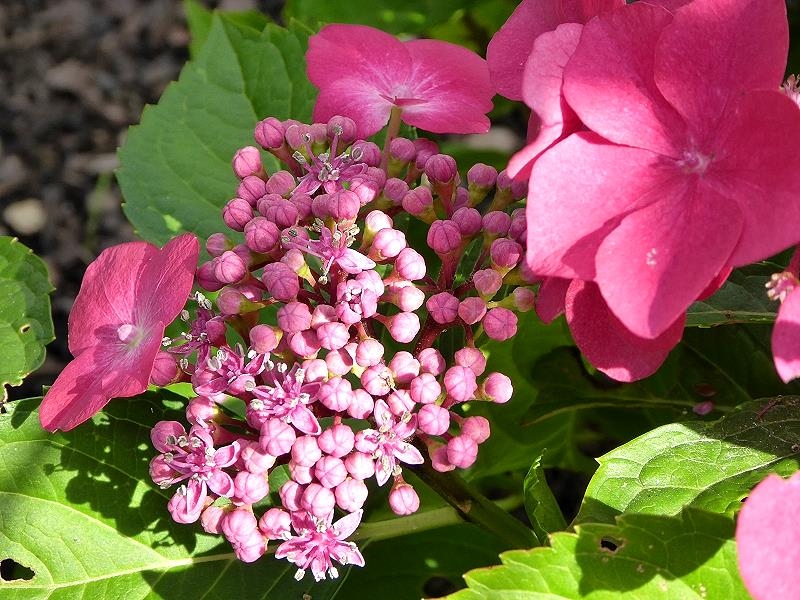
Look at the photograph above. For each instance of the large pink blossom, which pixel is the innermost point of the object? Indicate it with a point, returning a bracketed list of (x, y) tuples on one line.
[(768, 539), (363, 73), (128, 295), (684, 172)]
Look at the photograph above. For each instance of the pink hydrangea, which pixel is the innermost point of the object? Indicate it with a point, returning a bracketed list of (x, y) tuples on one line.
[(128, 296), (364, 73)]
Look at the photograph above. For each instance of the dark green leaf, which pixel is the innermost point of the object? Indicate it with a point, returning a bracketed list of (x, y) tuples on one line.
[(25, 322), (540, 504), (741, 299)]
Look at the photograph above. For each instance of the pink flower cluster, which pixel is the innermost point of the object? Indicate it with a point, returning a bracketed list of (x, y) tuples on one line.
[(340, 380)]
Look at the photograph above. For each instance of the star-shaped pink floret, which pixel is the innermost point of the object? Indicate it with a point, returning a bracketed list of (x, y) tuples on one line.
[(387, 444), (332, 247), (128, 295), (685, 171), (363, 73), (286, 396), (317, 541)]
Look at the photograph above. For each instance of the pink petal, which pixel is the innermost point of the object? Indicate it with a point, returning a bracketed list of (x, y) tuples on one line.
[(758, 166), (609, 81), (345, 526), (304, 420), (227, 455), (91, 380), (220, 483), (356, 99), (453, 83), (510, 47), (786, 338), (714, 50), (768, 539), (662, 257), (167, 280), (579, 190), (382, 414), (354, 262), (550, 299), (605, 341), (542, 81), (408, 454)]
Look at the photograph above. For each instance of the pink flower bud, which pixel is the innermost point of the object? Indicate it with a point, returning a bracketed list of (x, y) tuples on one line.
[(351, 494), (281, 282), (211, 519), (386, 244), (333, 336), (238, 524), (280, 211), (254, 459), (443, 307), (395, 190), (275, 523), (246, 161), (377, 380), (337, 440), (281, 183), (403, 499), (269, 133), (375, 221), (336, 394), (471, 358), (339, 362), (524, 299), (330, 471), (344, 205), (403, 327), (165, 369), (410, 265), (425, 389), (366, 188), (250, 189), (460, 383), (323, 313), (276, 437), (439, 460), (229, 268), (237, 213), (370, 280), (300, 473), (250, 549), (201, 410), (164, 434), (318, 500), (249, 488), (500, 324), (343, 127), (441, 168), (294, 317), (407, 297), (462, 451), (518, 189), (291, 493), (419, 202), (425, 149), (505, 254), (487, 282), (468, 220), (359, 465), (404, 367), (217, 243), (261, 235), (496, 223), (433, 419), (482, 176), (369, 352), (476, 428), (306, 451), (263, 339), (231, 301), (303, 204), (402, 150), (472, 309), (362, 404), (319, 134), (431, 361), (497, 388), (366, 152), (399, 402), (444, 237), (303, 343)]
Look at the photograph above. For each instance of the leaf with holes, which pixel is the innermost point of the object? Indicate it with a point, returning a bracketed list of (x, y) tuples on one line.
[(25, 322), (641, 557), (175, 169), (710, 466), (81, 518)]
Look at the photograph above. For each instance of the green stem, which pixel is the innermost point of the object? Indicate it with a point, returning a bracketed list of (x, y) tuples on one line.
[(391, 132), (476, 508), (422, 521)]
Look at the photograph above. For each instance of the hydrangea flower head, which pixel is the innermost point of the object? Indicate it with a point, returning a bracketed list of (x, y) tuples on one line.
[(128, 296), (363, 73)]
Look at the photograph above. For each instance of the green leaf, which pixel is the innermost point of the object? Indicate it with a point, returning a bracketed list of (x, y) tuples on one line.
[(639, 557), (199, 19), (394, 16), (414, 565), (741, 299), (80, 511), (175, 169), (710, 466), (540, 504), (25, 322)]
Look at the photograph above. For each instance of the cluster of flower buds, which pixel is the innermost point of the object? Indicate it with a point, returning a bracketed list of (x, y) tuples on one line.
[(341, 379)]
